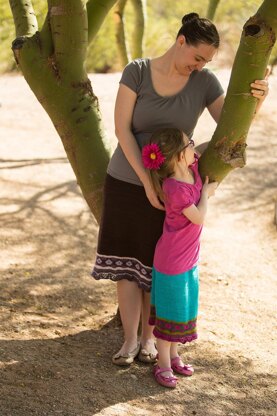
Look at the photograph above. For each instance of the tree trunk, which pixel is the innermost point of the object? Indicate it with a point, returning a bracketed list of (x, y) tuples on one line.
[(226, 149), (138, 32), (120, 32), (212, 8), (52, 62)]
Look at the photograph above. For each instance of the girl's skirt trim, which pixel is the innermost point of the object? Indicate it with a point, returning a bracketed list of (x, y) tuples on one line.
[(173, 331)]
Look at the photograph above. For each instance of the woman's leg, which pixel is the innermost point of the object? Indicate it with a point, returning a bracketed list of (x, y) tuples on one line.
[(147, 338), (129, 301)]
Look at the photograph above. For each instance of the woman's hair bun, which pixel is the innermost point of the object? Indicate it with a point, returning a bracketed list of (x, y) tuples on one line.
[(190, 16)]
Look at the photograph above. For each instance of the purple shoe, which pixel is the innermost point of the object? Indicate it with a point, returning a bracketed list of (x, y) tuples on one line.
[(184, 370), (170, 382)]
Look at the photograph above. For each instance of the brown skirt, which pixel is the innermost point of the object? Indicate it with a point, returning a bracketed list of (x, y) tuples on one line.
[(129, 230)]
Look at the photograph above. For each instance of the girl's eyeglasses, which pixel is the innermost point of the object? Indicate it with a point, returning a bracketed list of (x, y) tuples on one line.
[(190, 144)]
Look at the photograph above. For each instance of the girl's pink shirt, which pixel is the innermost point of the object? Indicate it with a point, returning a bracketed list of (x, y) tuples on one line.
[(177, 251)]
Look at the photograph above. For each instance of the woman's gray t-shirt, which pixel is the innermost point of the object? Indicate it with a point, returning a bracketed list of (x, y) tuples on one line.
[(153, 111)]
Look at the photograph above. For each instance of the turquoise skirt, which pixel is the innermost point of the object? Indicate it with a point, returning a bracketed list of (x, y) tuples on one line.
[(174, 305)]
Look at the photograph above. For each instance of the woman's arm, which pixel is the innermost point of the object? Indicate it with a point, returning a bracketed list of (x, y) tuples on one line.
[(259, 90), (216, 107), (215, 111), (124, 108)]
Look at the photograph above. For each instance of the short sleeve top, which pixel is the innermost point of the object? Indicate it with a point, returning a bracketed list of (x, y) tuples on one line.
[(153, 111), (177, 251)]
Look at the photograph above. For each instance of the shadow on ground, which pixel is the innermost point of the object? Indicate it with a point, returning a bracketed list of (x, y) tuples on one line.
[(73, 376)]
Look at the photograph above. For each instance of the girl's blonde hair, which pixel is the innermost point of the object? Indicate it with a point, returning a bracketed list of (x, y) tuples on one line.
[(171, 144)]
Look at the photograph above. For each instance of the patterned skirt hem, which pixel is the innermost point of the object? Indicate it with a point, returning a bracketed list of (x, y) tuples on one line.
[(173, 331), (175, 338), (118, 268), (118, 277)]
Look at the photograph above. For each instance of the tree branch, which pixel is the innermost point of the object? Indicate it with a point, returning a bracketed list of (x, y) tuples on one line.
[(24, 17), (97, 10), (47, 46), (68, 21)]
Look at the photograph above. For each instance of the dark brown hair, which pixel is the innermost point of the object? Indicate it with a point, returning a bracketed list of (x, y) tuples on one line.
[(199, 30), (171, 144)]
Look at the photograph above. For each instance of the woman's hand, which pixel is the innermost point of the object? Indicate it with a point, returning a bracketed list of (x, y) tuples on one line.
[(152, 197), (260, 89)]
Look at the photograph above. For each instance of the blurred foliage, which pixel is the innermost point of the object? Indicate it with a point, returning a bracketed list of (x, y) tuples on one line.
[(162, 24)]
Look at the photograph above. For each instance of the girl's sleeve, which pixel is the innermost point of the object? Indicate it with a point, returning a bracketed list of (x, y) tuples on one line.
[(180, 197), (131, 76)]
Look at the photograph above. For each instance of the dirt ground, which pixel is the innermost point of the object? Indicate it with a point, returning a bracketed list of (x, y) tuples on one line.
[(57, 327)]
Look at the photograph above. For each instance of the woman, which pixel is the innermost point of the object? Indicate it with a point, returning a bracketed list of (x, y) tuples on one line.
[(169, 91)]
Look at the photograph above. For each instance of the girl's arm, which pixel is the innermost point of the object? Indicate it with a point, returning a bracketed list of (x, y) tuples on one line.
[(124, 108), (196, 214)]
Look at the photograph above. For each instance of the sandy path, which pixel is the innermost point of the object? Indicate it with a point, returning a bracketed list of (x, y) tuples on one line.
[(56, 330)]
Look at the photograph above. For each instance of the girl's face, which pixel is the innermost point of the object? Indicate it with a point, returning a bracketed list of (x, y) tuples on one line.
[(187, 155), (192, 58)]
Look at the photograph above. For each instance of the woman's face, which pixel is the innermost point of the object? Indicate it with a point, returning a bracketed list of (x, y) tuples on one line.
[(192, 58)]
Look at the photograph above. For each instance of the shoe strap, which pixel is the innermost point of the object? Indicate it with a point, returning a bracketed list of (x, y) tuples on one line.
[(163, 370), (128, 354), (176, 360)]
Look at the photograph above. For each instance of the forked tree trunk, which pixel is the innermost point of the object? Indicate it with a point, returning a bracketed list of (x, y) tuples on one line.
[(52, 62), (212, 9), (226, 149)]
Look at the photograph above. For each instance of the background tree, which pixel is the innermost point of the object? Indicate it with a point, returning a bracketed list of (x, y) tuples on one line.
[(121, 42), (138, 31), (136, 48), (212, 9)]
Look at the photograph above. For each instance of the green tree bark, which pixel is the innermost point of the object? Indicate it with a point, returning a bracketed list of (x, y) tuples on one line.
[(212, 9), (52, 62), (226, 149), (120, 33), (138, 32)]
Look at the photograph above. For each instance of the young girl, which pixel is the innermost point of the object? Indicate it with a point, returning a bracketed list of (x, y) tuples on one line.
[(173, 168)]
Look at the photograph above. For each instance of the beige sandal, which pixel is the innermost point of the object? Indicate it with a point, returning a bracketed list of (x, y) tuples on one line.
[(126, 359), (147, 357)]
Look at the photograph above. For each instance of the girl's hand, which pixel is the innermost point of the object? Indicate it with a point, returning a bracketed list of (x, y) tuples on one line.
[(260, 88), (152, 197), (209, 188)]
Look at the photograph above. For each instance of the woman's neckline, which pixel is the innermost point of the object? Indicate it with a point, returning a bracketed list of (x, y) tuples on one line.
[(153, 88)]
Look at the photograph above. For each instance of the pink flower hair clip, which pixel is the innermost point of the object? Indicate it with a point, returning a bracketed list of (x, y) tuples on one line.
[(152, 156)]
